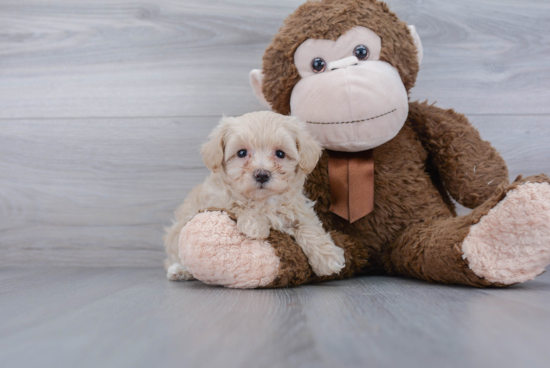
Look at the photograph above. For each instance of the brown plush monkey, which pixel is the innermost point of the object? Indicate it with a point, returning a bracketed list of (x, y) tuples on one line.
[(384, 185)]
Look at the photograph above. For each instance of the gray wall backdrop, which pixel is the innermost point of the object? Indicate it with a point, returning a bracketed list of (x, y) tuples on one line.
[(104, 104)]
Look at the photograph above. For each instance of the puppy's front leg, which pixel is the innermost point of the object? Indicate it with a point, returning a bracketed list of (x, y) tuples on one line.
[(253, 226), (324, 257)]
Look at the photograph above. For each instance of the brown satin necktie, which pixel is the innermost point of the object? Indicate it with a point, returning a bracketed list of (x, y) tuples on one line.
[(351, 180)]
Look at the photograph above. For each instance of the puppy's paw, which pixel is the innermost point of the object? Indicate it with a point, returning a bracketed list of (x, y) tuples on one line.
[(327, 260), (259, 233), (253, 228), (178, 272)]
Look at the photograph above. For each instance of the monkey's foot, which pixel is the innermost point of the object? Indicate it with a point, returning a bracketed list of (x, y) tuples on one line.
[(511, 243), (215, 252)]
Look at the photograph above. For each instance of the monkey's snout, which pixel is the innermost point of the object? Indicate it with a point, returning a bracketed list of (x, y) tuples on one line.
[(262, 176), (342, 63)]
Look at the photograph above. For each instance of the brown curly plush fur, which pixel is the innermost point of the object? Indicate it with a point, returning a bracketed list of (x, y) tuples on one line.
[(413, 230)]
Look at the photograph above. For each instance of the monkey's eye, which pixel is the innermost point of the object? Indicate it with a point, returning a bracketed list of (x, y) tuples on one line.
[(361, 52), (280, 154), (318, 65), (242, 153)]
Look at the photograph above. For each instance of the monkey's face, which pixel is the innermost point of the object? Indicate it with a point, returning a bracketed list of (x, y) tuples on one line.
[(349, 99), (344, 67)]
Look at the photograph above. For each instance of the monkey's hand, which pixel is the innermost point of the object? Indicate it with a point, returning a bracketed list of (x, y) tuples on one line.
[(216, 252)]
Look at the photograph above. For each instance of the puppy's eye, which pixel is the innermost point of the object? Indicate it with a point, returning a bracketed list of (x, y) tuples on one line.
[(361, 52), (318, 65), (280, 154), (242, 153)]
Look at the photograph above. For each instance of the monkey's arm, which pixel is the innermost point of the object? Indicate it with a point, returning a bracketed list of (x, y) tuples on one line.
[(294, 268), (214, 251), (469, 167)]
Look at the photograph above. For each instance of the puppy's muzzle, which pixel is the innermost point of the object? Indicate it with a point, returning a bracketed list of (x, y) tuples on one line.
[(262, 176)]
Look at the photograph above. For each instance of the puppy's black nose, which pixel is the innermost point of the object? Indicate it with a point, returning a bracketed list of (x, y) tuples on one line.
[(262, 176)]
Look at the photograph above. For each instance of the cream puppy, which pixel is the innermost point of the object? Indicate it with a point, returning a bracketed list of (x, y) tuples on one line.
[(259, 163)]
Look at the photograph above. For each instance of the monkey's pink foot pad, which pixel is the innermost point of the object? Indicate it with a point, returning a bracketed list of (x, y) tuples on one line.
[(215, 252), (511, 243)]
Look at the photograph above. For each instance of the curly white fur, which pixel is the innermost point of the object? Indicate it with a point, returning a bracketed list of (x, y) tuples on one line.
[(278, 204)]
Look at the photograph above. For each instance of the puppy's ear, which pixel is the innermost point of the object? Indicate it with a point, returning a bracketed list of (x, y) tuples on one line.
[(213, 151), (309, 149)]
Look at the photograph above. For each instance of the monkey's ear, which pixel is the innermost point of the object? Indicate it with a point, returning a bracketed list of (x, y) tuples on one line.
[(417, 43), (309, 149), (256, 76), (212, 151)]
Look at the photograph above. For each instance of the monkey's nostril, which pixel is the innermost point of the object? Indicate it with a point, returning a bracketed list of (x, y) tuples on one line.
[(262, 176)]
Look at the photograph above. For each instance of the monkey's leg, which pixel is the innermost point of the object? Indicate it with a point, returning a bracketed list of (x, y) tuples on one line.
[(504, 241)]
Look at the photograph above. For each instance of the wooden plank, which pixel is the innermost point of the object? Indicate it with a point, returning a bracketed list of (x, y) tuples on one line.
[(522, 141), (484, 57), (92, 189), (152, 58), (98, 191), (105, 317), (79, 59)]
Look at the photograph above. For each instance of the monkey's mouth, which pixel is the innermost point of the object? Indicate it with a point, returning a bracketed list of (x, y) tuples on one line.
[(354, 121)]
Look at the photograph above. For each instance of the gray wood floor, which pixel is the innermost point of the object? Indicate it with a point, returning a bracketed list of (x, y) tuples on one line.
[(133, 317), (103, 106)]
